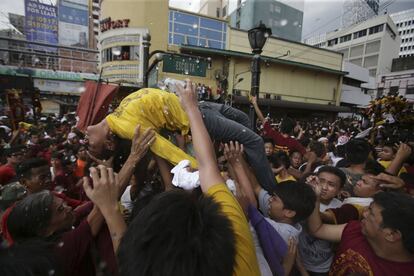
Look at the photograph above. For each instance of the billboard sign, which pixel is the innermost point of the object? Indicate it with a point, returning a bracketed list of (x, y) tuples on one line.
[(41, 24), (73, 24)]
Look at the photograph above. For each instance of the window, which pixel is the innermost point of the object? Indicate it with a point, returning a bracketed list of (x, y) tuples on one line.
[(376, 29), (403, 40), (380, 92), (373, 47), (394, 90), (333, 42), (357, 51), (371, 61), (409, 23), (357, 61), (345, 38), (411, 39), (360, 34), (277, 8), (399, 33), (372, 72), (410, 90), (401, 49), (218, 12)]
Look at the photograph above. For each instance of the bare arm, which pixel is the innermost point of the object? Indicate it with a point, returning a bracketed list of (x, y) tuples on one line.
[(104, 194), (203, 147), (164, 169), (319, 230), (404, 151), (259, 113), (234, 155), (139, 147)]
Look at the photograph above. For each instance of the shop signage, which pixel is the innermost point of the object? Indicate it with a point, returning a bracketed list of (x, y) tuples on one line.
[(185, 66), (55, 86), (107, 24), (46, 74)]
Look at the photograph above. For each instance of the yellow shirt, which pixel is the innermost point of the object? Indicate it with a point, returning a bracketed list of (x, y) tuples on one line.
[(154, 108), (386, 164), (245, 259), (279, 179)]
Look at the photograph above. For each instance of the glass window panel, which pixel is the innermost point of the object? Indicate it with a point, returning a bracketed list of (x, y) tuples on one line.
[(210, 34), (214, 44), (192, 40), (178, 39), (170, 15), (185, 29), (185, 18), (170, 40), (202, 42), (211, 24), (170, 27)]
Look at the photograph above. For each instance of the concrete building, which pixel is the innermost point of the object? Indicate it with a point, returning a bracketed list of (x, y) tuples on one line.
[(404, 21), (94, 11), (214, 8), (353, 93), (284, 19), (371, 44), (357, 11), (400, 81)]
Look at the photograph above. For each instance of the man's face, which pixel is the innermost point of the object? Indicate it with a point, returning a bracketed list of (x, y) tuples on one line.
[(40, 179), (62, 217), (34, 139), (96, 138), (372, 221), (269, 149), (367, 186), (330, 186), (386, 154), (296, 159), (16, 158)]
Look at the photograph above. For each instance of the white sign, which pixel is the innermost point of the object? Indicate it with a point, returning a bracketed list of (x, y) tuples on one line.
[(73, 34), (71, 87)]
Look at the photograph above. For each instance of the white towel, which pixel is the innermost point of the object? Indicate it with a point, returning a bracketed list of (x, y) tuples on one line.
[(183, 178)]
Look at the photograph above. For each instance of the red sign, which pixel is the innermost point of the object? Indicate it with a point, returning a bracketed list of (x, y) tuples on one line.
[(108, 24)]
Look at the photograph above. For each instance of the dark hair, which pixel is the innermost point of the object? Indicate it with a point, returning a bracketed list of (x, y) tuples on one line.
[(357, 151), (268, 140), (391, 145), (176, 234), (24, 170), (335, 171), (34, 257), (10, 151), (30, 216), (398, 214), (318, 148), (283, 159), (298, 197), (373, 167), (287, 125)]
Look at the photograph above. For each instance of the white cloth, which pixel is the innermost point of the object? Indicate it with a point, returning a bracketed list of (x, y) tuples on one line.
[(126, 200), (361, 201), (261, 260), (183, 178), (231, 185)]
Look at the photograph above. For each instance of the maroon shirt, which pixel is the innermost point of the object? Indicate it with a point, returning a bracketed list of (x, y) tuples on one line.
[(7, 174), (355, 255), (287, 144)]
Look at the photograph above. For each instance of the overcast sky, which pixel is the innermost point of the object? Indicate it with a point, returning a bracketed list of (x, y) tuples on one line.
[(319, 15)]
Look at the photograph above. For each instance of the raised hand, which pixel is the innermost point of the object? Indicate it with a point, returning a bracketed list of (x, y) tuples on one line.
[(141, 143), (187, 95), (233, 152)]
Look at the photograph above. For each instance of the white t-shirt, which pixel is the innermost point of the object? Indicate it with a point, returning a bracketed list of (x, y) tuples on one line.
[(261, 260), (316, 254), (126, 200)]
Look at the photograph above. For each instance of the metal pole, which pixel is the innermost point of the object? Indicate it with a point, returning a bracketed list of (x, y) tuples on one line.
[(146, 43), (254, 90)]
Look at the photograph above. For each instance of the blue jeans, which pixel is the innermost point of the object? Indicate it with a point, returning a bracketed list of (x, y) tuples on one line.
[(225, 123)]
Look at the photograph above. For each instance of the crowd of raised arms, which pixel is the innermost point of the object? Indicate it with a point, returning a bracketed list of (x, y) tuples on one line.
[(167, 185)]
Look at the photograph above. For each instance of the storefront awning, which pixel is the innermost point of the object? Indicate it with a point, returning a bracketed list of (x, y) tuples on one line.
[(294, 105)]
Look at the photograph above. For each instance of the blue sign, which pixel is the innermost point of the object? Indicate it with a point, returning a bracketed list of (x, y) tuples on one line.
[(41, 24), (73, 16)]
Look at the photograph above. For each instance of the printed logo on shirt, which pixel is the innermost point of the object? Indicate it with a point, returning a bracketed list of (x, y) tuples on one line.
[(282, 148), (350, 262)]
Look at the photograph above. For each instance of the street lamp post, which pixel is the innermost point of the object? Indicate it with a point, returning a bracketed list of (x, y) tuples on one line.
[(257, 39), (146, 43)]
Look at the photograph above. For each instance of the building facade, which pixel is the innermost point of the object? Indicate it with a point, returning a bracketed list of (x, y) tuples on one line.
[(353, 93), (404, 21), (372, 44), (357, 11), (284, 20), (214, 8)]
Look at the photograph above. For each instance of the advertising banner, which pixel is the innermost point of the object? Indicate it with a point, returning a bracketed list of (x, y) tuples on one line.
[(41, 24), (73, 24)]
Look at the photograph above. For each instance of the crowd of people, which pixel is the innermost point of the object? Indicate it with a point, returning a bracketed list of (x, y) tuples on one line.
[(168, 185)]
